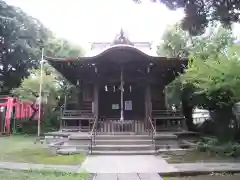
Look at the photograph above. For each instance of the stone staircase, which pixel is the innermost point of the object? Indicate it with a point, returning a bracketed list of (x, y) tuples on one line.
[(123, 145), (118, 144)]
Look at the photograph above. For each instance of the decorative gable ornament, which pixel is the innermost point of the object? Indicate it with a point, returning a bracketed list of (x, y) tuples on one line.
[(121, 38)]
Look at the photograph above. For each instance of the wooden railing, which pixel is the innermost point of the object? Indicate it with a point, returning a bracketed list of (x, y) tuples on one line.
[(168, 119), (77, 114), (167, 113), (93, 134), (85, 118), (152, 130), (160, 119), (116, 126)]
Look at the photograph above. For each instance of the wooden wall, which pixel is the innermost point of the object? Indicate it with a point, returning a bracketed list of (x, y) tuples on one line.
[(158, 97)]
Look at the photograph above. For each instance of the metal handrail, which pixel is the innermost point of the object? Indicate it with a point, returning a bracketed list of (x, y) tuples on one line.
[(92, 135), (153, 129)]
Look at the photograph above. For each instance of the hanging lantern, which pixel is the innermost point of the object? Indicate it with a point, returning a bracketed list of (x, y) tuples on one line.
[(77, 82), (130, 88), (114, 89), (106, 88)]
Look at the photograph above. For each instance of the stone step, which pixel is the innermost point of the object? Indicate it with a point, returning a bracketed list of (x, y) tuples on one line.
[(122, 147), (122, 137), (69, 151), (146, 152), (79, 147), (124, 142)]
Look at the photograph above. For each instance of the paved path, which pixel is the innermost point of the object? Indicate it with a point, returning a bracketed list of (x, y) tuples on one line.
[(126, 164), (129, 167), (191, 168)]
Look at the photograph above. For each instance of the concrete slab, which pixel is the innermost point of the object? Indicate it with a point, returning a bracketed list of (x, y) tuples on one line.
[(149, 176), (207, 167), (106, 177), (127, 176), (126, 164)]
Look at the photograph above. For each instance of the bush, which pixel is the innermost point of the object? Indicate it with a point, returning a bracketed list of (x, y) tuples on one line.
[(212, 145), (26, 127), (50, 123), (206, 127), (206, 143)]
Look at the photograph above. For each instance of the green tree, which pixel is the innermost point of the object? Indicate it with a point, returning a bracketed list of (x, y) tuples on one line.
[(29, 90), (56, 47), (175, 42), (20, 36), (216, 41), (217, 81), (201, 13), (54, 86)]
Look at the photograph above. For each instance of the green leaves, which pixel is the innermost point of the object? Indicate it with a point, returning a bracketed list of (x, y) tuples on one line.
[(29, 88), (62, 48), (200, 14), (19, 48), (213, 73), (175, 42), (217, 77)]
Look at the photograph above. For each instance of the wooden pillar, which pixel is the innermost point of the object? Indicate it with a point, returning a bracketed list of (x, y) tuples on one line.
[(96, 99), (122, 93), (165, 98), (148, 101)]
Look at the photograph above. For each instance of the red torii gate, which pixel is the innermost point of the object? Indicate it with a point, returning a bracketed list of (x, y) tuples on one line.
[(23, 111)]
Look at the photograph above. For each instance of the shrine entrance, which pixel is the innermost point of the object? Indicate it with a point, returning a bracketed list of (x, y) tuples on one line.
[(133, 102)]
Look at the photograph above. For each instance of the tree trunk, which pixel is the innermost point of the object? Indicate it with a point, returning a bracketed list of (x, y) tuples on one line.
[(222, 118), (187, 112), (35, 110)]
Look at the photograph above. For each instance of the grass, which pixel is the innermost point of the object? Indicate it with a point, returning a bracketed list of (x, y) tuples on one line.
[(206, 177), (195, 156), (23, 149), (40, 175)]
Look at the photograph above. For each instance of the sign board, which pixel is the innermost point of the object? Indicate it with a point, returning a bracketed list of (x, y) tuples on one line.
[(128, 105), (115, 106)]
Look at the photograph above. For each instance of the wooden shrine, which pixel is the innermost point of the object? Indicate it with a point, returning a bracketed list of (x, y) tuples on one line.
[(120, 85)]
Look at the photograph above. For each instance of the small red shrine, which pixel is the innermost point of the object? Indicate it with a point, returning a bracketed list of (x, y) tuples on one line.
[(12, 110)]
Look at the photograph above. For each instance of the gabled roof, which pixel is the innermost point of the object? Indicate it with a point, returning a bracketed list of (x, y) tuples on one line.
[(121, 52), (120, 39), (110, 60)]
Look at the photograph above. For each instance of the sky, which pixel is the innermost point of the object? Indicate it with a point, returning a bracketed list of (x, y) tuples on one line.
[(85, 21)]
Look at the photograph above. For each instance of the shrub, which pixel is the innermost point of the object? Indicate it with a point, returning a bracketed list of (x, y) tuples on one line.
[(212, 145)]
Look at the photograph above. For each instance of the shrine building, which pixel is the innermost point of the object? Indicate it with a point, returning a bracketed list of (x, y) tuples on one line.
[(121, 88)]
